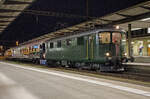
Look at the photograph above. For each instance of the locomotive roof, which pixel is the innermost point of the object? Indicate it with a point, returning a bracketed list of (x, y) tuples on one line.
[(86, 33), (68, 37)]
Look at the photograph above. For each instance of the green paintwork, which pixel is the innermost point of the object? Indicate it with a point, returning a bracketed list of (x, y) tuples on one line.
[(72, 52), (89, 51)]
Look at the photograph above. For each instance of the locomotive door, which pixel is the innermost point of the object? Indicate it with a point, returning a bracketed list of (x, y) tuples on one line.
[(90, 47)]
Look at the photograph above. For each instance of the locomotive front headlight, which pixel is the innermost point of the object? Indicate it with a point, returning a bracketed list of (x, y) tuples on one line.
[(125, 54), (107, 54)]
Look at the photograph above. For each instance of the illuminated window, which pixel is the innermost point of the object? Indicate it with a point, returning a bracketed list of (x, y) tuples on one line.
[(116, 37), (104, 37), (148, 30), (35, 46)]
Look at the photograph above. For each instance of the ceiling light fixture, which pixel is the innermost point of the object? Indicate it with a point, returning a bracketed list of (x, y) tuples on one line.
[(146, 19)]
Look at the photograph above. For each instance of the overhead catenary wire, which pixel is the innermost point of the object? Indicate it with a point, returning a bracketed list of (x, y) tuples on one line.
[(56, 14)]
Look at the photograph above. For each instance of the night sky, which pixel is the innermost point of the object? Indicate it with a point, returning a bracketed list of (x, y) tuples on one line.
[(28, 26)]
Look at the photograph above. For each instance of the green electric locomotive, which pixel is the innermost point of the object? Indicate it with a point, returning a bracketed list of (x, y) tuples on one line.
[(99, 49)]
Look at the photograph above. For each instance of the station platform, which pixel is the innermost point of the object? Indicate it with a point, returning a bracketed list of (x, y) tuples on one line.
[(138, 68), (40, 83), (142, 59), (137, 63)]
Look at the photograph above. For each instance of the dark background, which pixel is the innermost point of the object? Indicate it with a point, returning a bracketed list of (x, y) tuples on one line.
[(28, 26)]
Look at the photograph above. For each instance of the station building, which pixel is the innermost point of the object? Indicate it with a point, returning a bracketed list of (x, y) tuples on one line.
[(140, 43)]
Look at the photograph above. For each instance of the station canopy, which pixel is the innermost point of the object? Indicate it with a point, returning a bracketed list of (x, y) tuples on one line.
[(138, 16), (10, 9)]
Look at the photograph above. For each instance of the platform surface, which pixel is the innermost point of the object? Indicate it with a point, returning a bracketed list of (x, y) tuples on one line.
[(138, 64), (24, 82), (142, 59)]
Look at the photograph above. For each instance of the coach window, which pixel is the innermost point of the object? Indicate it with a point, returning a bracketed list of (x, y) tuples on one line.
[(51, 45), (68, 42), (104, 37), (47, 45), (43, 47), (80, 41), (58, 44)]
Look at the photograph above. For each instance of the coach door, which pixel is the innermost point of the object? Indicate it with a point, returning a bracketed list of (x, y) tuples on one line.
[(90, 47)]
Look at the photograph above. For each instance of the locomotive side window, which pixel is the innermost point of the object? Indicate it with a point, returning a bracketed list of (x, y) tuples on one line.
[(68, 42), (59, 44), (123, 38), (80, 40), (104, 37), (47, 45), (51, 45)]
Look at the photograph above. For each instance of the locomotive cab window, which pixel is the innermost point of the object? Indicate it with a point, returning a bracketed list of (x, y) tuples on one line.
[(116, 37), (51, 45), (104, 37)]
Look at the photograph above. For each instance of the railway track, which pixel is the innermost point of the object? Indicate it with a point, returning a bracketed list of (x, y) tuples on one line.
[(133, 75), (136, 73)]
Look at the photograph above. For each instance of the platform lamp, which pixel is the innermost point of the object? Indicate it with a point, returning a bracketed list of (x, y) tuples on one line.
[(17, 43)]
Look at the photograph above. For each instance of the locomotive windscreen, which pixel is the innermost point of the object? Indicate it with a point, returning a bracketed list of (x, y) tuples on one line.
[(104, 37), (116, 37)]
